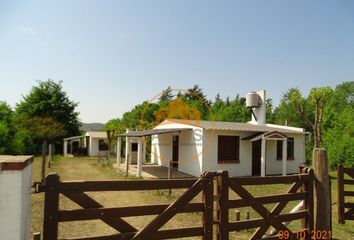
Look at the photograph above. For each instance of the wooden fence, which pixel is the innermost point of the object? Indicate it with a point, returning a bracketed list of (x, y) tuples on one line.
[(301, 189), (342, 193)]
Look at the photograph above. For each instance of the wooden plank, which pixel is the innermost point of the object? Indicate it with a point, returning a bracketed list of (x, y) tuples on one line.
[(238, 203), (309, 203), (95, 186), (348, 181), (151, 228), (349, 205), (223, 208), (51, 208), (85, 201), (97, 213), (247, 224), (208, 217), (349, 171), (269, 180), (340, 186), (162, 234), (348, 193), (260, 209)]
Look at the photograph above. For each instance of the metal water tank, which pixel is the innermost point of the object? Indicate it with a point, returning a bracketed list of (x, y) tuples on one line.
[(252, 99)]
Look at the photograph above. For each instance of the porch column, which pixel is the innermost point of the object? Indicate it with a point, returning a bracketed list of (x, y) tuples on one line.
[(119, 148), (285, 156), (263, 157), (65, 150), (140, 157), (144, 150), (127, 154)]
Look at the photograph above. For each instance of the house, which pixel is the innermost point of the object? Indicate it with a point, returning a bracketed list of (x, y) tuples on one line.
[(92, 144), (243, 149)]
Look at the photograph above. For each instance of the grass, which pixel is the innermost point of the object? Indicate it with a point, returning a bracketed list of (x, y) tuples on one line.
[(90, 169)]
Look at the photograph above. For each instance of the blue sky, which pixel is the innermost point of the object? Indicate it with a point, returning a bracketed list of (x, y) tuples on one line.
[(112, 55)]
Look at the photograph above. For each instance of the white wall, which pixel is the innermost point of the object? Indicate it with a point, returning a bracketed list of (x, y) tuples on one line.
[(93, 150), (15, 203), (274, 166), (210, 154), (190, 149)]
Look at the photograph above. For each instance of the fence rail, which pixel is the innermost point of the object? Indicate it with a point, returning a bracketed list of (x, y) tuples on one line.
[(342, 194)]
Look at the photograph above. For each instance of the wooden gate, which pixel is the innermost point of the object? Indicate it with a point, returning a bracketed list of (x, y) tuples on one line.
[(91, 209), (301, 189), (342, 204)]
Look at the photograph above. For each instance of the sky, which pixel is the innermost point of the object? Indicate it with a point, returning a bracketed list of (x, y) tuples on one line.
[(112, 55)]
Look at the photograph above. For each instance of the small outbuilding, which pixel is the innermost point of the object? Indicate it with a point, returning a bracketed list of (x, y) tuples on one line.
[(91, 144)]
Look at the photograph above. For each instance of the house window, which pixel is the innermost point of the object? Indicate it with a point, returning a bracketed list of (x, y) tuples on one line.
[(228, 149), (102, 146), (134, 147), (290, 149)]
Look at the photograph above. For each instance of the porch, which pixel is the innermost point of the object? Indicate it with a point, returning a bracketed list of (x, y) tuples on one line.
[(153, 171)]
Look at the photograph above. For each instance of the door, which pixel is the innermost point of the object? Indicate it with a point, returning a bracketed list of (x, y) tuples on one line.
[(175, 148), (256, 158)]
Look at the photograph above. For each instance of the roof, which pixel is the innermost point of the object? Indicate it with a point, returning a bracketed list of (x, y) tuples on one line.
[(73, 138), (152, 132), (233, 126), (268, 135), (96, 134)]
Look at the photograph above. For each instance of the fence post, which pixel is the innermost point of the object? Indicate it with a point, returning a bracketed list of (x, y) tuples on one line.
[(322, 196), (208, 218), (223, 209), (340, 175), (51, 208), (308, 202)]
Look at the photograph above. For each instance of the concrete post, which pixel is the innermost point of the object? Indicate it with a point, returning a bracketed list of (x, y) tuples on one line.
[(263, 157), (144, 150), (140, 157), (65, 150), (127, 154), (15, 195), (119, 149), (285, 156)]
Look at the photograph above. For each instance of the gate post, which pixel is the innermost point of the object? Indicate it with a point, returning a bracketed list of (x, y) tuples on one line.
[(308, 202), (222, 206), (322, 190), (208, 218), (340, 175), (51, 207)]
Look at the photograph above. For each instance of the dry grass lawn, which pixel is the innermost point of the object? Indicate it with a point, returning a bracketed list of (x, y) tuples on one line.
[(89, 169)]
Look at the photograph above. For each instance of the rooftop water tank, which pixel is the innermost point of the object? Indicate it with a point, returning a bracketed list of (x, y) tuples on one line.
[(252, 99)]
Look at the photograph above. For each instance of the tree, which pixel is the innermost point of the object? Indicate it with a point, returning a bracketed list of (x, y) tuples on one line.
[(112, 128), (48, 99), (338, 125), (311, 109), (6, 128), (166, 95)]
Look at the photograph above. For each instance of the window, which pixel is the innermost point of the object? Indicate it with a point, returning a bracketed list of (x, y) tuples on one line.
[(228, 149), (102, 146), (134, 147), (290, 149)]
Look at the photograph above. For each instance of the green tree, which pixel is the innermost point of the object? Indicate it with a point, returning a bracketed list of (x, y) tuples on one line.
[(338, 125), (166, 95), (48, 100), (311, 109)]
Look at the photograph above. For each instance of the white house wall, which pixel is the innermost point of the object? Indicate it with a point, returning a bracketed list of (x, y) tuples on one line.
[(210, 154), (274, 166), (190, 148), (93, 150)]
